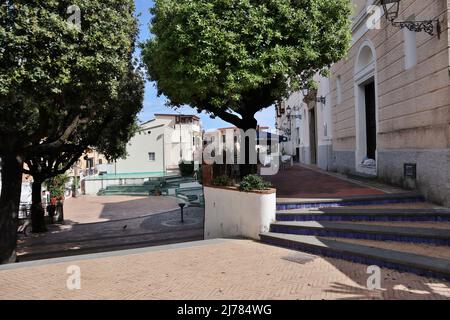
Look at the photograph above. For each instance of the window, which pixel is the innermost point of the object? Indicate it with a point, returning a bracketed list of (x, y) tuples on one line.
[(410, 48), (89, 162), (100, 161), (151, 156)]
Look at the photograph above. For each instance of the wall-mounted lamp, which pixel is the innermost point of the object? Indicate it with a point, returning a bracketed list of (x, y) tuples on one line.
[(320, 99), (288, 111), (391, 10), (305, 91)]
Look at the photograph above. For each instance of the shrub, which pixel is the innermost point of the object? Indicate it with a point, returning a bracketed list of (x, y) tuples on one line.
[(186, 169), (254, 182), (224, 181), (57, 185)]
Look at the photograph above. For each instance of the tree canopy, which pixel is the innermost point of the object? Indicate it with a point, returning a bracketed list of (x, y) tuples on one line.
[(67, 81), (55, 77), (232, 58)]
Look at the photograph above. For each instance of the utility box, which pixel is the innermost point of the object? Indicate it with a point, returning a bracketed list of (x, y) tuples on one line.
[(410, 175)]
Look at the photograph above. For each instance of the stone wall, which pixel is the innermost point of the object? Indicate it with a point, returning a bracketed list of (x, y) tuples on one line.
[(412, 101), (433, 171)]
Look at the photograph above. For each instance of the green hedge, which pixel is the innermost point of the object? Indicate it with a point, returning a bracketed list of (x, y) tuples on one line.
[(254, 182)]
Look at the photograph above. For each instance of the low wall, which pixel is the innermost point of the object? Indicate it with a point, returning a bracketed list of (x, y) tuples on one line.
[(232, 213), (92, 187)]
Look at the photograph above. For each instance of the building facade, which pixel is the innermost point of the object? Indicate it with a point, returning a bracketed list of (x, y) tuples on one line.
[(160, 145), (388, 101), (305, 118)]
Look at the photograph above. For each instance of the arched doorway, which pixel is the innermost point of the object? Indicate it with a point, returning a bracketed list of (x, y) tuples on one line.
[(366, 110)]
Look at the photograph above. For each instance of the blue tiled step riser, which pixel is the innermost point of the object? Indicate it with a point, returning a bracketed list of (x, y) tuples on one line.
[(303, 217), (355, 258), (358, 235), (291, 206)]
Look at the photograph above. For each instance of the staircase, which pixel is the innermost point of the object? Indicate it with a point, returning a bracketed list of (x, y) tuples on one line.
[(410, 240), (184, 188), (128, 190)]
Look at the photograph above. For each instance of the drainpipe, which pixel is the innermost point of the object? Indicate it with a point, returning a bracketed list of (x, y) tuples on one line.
[(164, 153)]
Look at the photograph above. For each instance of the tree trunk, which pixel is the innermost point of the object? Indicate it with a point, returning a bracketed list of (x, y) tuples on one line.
[(9, 206), (37, 211), (248, 167)]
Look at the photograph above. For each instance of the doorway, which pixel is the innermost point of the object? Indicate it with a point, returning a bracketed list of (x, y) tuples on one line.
[(371, 127), (366, 110), (313, 135)]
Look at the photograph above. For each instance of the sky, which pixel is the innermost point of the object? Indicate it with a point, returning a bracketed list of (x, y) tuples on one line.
[(154, 104)]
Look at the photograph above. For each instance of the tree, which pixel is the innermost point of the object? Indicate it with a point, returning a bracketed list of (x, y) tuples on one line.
[(58, 78), (108, 133), (233, 58)]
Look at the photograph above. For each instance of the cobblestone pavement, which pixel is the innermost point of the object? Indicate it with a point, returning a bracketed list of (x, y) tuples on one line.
[(72, 239), (217, 269), (315, 184), (89, 209)]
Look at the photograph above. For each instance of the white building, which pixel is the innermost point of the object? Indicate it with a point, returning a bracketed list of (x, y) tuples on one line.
[(266, 144), (306, 119), (160, 144)]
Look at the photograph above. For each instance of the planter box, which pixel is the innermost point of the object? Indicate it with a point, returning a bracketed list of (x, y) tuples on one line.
[(232, 213)]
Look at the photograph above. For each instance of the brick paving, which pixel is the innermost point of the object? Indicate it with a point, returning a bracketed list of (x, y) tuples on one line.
[(89, 209), (63, 240), (301, 182), (220, 269)]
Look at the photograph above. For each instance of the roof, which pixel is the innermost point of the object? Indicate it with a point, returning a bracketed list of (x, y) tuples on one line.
[(193, 116), (236, 128)]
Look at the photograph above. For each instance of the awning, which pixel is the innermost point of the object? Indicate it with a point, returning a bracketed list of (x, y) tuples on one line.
[(267, 136)]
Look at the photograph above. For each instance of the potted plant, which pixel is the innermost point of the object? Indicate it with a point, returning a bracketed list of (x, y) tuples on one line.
[(238, 211), (56, 186), (157, 192)]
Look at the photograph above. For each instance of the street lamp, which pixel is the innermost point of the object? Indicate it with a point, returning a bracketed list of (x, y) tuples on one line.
[(288, 112), (391, 10)]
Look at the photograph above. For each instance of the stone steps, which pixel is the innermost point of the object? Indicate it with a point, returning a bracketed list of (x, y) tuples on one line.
[(115, 193), (429, 250), (377, 199), (349, 214), (398, 260), (367, 229), (364, 231)]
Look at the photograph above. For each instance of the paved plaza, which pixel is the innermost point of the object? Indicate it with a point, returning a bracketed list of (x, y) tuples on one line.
[(215, 269), (140, 231), (315, 184), (89, 209), (99, 227)]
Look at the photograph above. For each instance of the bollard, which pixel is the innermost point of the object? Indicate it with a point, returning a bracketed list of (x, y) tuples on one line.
[(182, 205)]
